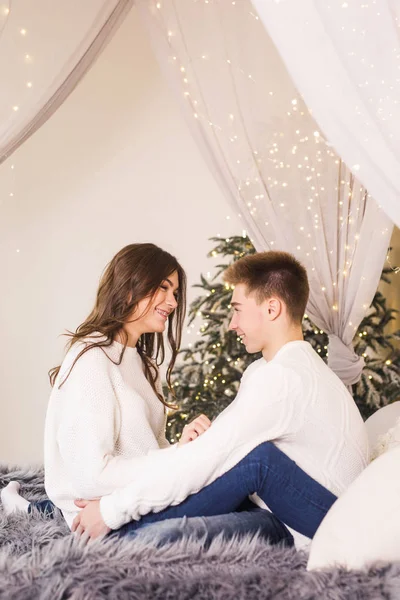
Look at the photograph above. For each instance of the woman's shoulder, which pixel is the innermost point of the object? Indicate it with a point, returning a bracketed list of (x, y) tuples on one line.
[(87, 353), (82, 364)]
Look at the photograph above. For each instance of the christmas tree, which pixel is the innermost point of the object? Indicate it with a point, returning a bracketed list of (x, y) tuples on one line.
[(207, 378)]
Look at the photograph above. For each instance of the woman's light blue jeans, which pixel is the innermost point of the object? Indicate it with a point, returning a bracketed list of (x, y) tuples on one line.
[(294, 498)]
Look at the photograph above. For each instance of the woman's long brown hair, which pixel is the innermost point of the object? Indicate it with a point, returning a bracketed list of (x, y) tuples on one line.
[(136, 272)]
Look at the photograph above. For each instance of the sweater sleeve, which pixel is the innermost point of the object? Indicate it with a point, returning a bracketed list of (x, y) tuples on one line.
[(88, 429), (262, 411)]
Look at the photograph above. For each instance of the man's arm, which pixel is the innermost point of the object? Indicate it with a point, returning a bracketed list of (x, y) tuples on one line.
[(260, 412)]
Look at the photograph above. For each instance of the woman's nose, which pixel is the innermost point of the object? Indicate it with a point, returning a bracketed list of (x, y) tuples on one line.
[(172, 302)]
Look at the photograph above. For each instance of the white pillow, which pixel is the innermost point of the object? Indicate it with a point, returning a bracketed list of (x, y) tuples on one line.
[(381, 421), (363, 526), (387, 441)]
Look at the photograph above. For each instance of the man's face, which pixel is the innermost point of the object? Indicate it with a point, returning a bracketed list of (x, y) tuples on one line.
[(248, 319)]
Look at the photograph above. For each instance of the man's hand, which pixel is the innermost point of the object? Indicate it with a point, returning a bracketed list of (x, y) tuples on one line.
[(89, 522), (194, 429)]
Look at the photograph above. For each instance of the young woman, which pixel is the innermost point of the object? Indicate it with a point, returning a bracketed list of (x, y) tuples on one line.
[(106, 410)]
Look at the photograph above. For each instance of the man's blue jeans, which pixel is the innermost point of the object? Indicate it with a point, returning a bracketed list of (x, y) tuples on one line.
[(293, 496)]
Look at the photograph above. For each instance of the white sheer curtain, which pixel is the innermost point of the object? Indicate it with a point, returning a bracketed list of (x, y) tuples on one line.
[(344, 57), (275, 167), (46, 47)]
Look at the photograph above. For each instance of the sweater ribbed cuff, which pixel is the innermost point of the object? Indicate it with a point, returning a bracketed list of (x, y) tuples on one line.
[(111, 517)]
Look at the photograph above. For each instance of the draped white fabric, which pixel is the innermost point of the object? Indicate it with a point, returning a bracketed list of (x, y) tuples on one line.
[(46, 47), (273, 164), (344, 57)]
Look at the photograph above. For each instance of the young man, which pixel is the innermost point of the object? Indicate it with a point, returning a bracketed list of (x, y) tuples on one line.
[(289, 397)]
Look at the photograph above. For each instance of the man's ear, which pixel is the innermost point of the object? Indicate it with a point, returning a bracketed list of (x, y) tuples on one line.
[(274, 308)]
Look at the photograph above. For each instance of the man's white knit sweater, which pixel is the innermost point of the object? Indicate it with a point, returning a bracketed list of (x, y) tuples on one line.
[(102, 421), (294, 400)]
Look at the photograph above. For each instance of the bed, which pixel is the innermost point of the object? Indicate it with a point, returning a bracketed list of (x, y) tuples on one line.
[(39, 558)]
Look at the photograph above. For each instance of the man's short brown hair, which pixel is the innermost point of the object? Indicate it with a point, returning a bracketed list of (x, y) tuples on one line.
[(270, 274)]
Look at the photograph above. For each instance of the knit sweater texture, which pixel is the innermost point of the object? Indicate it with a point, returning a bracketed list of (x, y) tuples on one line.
[(102, 421), (294, 400)]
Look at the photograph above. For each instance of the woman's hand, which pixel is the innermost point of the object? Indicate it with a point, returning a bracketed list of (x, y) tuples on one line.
[(89, 523), (193, 430)]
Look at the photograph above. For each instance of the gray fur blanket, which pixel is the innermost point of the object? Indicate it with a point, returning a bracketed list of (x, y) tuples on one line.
[(40, 559)]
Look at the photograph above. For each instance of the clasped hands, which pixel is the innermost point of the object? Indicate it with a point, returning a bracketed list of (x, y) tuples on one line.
[(89, 523)]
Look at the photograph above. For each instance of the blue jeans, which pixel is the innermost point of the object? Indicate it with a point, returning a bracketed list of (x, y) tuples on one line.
[(46, 507), (254, 521), (293, 496)]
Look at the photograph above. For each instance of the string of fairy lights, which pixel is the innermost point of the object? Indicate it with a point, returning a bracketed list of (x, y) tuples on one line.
[(27, 59), (307, 159), (296, 153), (265, 183)]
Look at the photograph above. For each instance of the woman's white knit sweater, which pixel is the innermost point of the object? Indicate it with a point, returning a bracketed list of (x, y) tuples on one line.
[(103, 419)]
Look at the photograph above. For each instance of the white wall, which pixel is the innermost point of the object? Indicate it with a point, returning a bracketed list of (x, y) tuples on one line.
[(115, 165)]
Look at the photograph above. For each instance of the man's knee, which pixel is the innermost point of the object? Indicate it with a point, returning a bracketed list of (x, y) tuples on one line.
[(265, 451)]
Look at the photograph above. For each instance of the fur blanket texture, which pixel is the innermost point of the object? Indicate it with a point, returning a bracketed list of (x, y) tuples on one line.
[(40, 559)]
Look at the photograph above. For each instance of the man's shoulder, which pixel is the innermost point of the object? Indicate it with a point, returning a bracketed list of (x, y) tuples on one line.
[(253, 367), (261, 369)]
